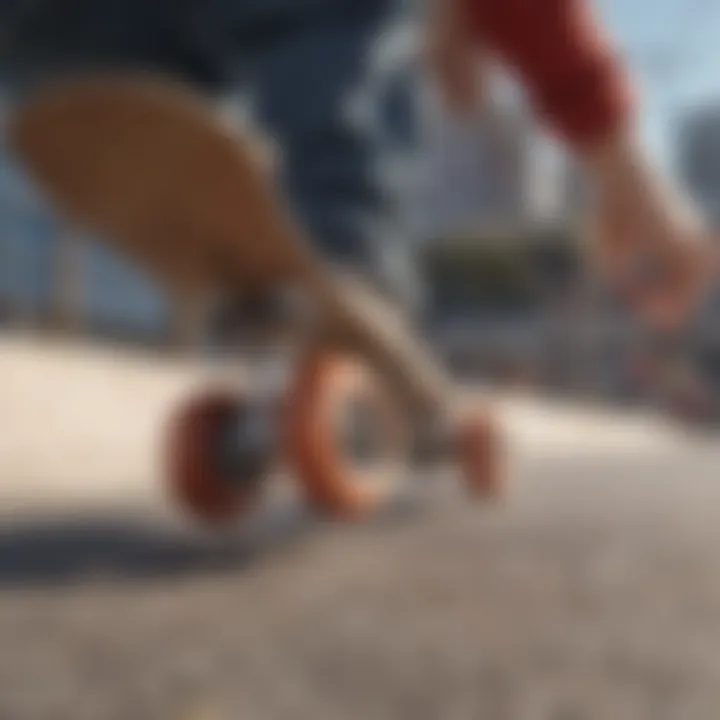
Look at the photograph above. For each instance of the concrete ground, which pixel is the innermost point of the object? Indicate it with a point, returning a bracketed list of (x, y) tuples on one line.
[(593, 592)]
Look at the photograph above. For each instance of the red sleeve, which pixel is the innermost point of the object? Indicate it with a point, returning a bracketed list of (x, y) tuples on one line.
[(568, 65)]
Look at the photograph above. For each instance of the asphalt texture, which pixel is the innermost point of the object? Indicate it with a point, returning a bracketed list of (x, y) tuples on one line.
[(592, 591)]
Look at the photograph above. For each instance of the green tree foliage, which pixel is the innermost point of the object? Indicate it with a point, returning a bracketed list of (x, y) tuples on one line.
[(499, 275)]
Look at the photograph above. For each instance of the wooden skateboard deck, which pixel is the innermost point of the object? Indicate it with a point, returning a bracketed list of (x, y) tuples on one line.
[(146, 164)]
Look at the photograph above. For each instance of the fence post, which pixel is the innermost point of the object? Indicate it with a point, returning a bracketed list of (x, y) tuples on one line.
[(187, 322), (68, 312)]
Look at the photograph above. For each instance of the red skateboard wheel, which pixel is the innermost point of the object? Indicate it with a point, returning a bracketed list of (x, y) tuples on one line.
[(326, 387), (195, 476)]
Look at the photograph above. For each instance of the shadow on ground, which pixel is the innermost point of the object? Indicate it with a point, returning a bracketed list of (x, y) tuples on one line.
[(53, 552)]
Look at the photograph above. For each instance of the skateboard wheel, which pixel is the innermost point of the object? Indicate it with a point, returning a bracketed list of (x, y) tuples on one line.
[(197, 478), (335, 405), (481, 454)]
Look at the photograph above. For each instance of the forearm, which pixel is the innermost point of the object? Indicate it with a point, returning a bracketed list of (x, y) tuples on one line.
[(569, 67)]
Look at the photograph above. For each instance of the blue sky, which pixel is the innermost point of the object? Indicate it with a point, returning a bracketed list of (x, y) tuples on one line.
[(674, 47)]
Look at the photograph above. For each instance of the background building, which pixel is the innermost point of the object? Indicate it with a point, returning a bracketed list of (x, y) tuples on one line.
[(698, 155), (494, 172)]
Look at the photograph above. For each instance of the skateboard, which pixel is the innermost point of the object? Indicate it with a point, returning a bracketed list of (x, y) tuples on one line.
[(147, 165)]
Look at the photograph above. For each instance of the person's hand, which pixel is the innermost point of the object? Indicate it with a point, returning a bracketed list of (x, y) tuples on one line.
[(648, 239)]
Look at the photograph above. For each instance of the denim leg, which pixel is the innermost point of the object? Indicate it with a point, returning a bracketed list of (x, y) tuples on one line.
[(336, 124), (49, 40)]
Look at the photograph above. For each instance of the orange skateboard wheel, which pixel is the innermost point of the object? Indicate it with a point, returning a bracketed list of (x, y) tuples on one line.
[(327, 388), (196, 478), (481, 455)]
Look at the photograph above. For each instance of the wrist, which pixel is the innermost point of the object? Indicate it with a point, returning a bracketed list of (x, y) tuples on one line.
[(625, 177), (615, 159), (623, 173)]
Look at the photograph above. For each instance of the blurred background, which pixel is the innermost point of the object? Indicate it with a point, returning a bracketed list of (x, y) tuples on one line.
[(497, 213)]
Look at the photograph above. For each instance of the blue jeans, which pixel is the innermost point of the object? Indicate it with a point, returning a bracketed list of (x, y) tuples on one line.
[(306, 66)]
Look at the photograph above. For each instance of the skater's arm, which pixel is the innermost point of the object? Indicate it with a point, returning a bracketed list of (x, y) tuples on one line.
[(560, 51), (577, 82)]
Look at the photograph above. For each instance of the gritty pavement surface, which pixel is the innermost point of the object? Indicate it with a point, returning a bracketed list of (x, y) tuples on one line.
[(592, 592)]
